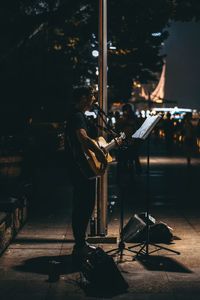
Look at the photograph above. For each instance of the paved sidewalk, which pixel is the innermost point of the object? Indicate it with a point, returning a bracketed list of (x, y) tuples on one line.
[(25, 271)]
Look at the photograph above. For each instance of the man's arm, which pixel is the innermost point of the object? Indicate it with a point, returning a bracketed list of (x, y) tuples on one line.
[(86, 141)]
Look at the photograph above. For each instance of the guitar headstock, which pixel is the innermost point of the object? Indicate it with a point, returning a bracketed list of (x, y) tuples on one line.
[(122, 135), (120, 138)]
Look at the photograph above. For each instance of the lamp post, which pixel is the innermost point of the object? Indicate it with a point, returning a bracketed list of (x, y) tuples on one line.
[(103, 181)]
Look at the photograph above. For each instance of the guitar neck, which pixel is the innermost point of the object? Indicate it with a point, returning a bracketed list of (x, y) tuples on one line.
[(111, 145)]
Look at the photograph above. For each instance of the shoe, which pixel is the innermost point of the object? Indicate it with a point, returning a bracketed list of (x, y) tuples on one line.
[(83, 250), (79, 254)]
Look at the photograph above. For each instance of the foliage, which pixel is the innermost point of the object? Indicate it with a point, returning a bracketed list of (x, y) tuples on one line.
[(47, 44)]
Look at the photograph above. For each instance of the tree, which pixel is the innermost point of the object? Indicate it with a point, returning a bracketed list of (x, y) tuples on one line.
[(138, 30), (47, 45)]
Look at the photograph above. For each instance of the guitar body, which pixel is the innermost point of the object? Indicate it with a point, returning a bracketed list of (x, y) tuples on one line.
[(91, 167)]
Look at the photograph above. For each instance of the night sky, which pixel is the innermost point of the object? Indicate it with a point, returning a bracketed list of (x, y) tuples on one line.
[(183, 64)]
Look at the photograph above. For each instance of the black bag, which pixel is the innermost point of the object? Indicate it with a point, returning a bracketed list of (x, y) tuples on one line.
[(102, 274), (160, 233), (135, 230)]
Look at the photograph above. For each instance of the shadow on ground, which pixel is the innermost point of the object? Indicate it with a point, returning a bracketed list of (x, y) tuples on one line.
[(53, 266), (162, 263)]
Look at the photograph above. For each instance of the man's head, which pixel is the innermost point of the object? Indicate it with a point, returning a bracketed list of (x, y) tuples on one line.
[(168, 115), (83, 98), (188, 116), (127, 109)]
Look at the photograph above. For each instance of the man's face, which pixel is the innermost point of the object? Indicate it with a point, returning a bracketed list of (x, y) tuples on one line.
[(87, 102), (125, 113)]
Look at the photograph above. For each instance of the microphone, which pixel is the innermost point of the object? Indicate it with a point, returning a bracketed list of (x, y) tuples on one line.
[(105, 119), (96, 106)]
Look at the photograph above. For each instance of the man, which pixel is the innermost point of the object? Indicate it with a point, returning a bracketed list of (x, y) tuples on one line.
[(189, 137), (77, 138), (168, 127), (128, 156)]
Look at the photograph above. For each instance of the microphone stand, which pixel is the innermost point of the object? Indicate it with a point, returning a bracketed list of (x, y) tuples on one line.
[(101, 113), (121, 244)]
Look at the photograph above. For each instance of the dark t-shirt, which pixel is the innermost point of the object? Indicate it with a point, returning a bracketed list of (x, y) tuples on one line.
[(73, 147)]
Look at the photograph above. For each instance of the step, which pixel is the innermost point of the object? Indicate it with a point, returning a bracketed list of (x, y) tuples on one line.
[(13, 215), (17, 208), (6, 230)]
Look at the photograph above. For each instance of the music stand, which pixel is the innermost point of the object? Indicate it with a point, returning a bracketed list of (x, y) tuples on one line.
[(144, 250)]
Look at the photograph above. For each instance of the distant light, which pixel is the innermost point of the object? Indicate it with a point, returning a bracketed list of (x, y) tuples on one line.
[(173, 110), (57, 47), (143, 113), (90, 114), (113, 120), (112, 48), (87, 81), (95, 53), (156, 34), (147, 112)]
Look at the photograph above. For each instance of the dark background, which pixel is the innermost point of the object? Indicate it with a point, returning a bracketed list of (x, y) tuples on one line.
[(183, 64)]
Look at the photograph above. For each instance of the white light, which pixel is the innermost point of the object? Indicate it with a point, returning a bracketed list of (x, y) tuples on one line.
[(156, 34), (90, 114), (172, 110), (147, 113), (143, 113), (95, 53), (87, 81), (113, 120), (112, 47)]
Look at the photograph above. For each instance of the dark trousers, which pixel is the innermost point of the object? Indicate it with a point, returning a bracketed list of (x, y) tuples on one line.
[(83, 206)]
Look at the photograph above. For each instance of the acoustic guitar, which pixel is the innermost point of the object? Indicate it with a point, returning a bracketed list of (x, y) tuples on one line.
[(90, 165)]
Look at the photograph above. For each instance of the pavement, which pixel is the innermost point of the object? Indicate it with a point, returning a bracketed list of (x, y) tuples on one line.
[(46, 239)]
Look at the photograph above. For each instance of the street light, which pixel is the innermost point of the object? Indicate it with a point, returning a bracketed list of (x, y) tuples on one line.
[(95, 53)]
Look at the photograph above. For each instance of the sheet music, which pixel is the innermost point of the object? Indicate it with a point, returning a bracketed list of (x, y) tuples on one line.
[(147, 127)]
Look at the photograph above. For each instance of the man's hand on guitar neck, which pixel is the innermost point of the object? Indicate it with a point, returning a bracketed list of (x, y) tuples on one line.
[(120, 139)]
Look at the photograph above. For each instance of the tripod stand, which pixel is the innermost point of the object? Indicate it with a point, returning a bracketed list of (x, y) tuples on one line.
[(144, 250), (121, 244)]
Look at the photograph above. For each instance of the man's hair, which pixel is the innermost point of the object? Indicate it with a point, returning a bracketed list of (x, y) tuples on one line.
[(127, 106), (78, 93)]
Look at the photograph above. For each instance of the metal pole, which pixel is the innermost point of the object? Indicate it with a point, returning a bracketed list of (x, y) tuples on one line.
[(103, 181)]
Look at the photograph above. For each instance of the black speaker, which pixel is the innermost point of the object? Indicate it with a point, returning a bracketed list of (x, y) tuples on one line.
[(133, 228), (102, 274)]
